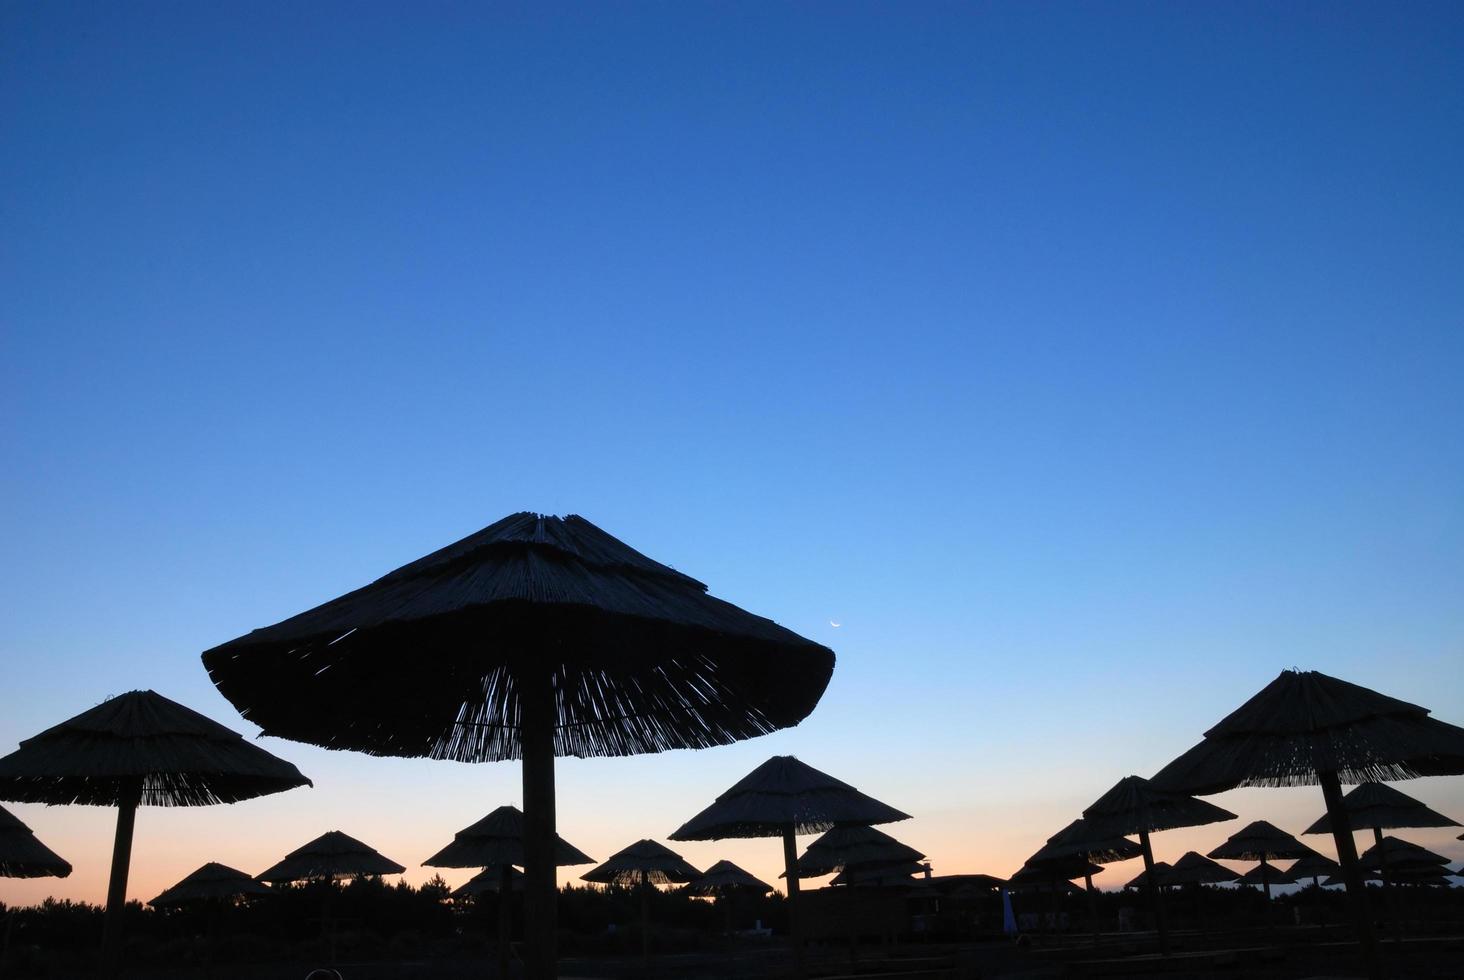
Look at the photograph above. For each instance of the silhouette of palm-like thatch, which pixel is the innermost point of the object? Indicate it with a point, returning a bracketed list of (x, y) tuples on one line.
[(212, 881), (1307, 728), (537, 636), (135, 749), (784, 797), (723, 877), (858, 848), (330, 856), (1376, 806), (1194, 868), (22, 856)]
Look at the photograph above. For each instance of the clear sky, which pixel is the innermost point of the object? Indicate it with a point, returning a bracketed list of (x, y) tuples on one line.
[(1089, 363)]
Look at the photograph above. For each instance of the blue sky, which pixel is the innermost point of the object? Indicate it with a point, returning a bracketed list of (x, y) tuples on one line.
[(1088, 363)]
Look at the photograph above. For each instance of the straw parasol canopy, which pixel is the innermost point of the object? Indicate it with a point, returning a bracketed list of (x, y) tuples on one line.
[(1079, 839), (1159, 873), (537, 636), (498, 841), (1135, 806), (644, 862), (489, 881), (22, 856), (1314, 866), (1395, 853), (1377, 806), (1308, 728), (212, 881), (1261, 841), (1194, 868), (723, 877), (854, 847), (784, 797), (330, 856), (139, 748), (879, 874), (1266, 876)]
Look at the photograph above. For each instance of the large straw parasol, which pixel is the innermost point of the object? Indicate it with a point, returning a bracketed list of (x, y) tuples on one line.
[(139, 748), (328, 857), (1394, 852), (1307, 728), (1193, 868), (1263, 842), (497, 841), (643, 864), (1158, 874), (537, 636), (858, 848), (783, 798), (1314, 866), (1077, 841), (1266, 877), (490, 881), (212, 881), (1135, 806), (724, 880), (22, 856)]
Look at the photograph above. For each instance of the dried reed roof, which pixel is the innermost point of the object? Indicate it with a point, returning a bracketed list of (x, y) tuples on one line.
[(1314, 866), (1077, 840), (1194, 868), (1260, 840), (854, 847), (1398, 853), (498, 839), (181, 757), (487, 881), (1134, 805), (880, 874), (208, 882), (1269, 874), (783, 792), (22, 856), (643, 861), (1377, 805), (1305, 722), (1162, 871), (724, 876), (422, 662), (329, 856)]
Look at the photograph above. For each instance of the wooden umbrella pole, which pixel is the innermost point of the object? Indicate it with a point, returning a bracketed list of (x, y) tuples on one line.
[(795, 923), (1092, 906), (1351, 873), (645, 900), (1390, 897), (131, 796), (505, 917), (1266, 890), (536, 738), (1151, 887)]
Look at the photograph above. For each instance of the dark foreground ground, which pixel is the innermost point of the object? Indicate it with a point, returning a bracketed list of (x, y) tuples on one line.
[(1287, 956)]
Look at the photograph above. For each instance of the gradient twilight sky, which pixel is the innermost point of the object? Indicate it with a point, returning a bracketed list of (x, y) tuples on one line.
[(1089, 363)]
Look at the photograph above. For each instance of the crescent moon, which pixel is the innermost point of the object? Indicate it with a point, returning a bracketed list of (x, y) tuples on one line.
[(834, 624)]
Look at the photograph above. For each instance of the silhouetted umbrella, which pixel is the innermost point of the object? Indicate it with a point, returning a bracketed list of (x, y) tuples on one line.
[(1314, 866), (134, 749), (1266, 877), (1308, 728), (212, 881), (879, 874), (1159, 873), (330, 856), (22, 856), (1077, 840), (854, 847), (1378, 807), (1263, 842), (1029, 879), (1194, 868), (724, 876), (490, 881), (783, 798), (1393, 852), (645, 864), (1134, 806), (534, 637), (498, 841)]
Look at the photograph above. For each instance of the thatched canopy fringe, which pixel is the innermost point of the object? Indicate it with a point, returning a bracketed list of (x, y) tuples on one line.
[(1077, 840), (1267, 875), (643, 861), (880, 874), (331, 855), (1195, 869), (1162, 871), (213, 880), (724, 876), (1261, 841), (498, 839), (181, 758), (22, 856), (315, 676), (854, 847), (1134, 806), (1315, 866), (1398, 853), (489, 881), (1376, 806)]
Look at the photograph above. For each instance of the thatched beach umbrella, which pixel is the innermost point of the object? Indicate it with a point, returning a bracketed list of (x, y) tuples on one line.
[(1393, 852), (1266, 876), (490, 881), (880, 874), (643, 865), (535, 637), (1264, 842), (1158, 874), (137, 749), (1314, 866), (859, 848), (22, 856), (1194, 868), (1306, 728), (722, 882), (497, 841), (1078, 841), (330, 856), (783, 798), (1136, 807), (213, 881)]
